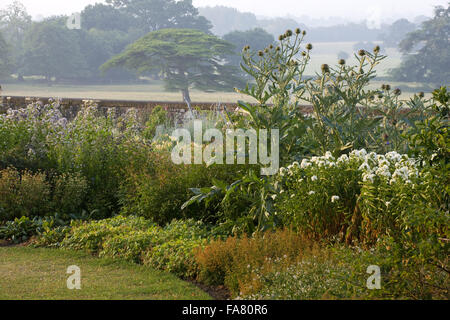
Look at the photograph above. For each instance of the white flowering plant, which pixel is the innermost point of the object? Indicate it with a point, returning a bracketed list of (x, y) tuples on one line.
[(319, 195), (360, 196)]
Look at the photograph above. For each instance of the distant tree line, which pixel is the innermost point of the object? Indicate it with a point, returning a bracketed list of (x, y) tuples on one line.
[(50, 50)]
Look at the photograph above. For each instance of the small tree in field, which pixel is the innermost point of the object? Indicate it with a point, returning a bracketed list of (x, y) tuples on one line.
[(185, 59)]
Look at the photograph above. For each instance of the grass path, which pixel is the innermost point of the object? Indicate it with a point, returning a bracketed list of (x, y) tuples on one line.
[(28, 273)]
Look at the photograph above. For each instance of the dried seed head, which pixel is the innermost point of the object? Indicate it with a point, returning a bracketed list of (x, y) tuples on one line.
[(421, 94), (383, 87), (362, 52), (388, 87), (288, 33), (376, 49), (260, 53), (309, 46), (304, 53), (281, 37), (397, 92), (298, 31), (277, 49), (271, 47), (325, 68), (304, 32), (341, 62)]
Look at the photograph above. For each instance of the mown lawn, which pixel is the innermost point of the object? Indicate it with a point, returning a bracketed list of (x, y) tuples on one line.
[(28, 273)]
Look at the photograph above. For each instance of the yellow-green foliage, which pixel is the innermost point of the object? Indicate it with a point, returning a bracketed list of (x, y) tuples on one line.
[(23, 194)]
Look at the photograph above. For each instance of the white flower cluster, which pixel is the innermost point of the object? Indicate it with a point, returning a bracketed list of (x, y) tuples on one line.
[(392, 165)]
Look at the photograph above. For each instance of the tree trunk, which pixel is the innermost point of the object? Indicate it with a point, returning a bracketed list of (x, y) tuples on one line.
[(186, 96), (187, 99)]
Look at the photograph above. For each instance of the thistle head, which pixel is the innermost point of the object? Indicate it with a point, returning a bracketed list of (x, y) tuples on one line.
[(325, 68), (341, 62), (297, 31), (309, 47), (362, 53)]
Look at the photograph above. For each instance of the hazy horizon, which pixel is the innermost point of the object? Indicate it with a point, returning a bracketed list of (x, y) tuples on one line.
[(348, 10)]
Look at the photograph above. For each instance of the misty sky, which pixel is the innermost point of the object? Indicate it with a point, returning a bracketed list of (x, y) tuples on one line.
[(351, 9)]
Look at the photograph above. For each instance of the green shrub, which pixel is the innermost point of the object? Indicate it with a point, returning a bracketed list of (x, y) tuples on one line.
[(157, 189), (130, 245), (23, 194), (92, 235), (69, 193), (176, 256), (158, 117), (135, 239), (51, 237), (19, 230)]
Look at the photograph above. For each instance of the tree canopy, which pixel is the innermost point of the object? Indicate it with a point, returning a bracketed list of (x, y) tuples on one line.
[(5, 63), (52, 50), (427, 54), (184, 58), (152, 15), (257, 39), (106, 17), (14, 24), (397, 32)]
